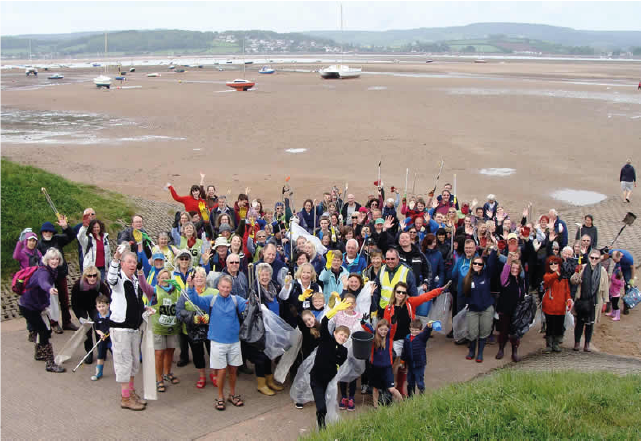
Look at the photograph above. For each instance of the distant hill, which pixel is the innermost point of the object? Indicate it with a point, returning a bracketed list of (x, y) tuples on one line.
[(599, 40), (160, 42)]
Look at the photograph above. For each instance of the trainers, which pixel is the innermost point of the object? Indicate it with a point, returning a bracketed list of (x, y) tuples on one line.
[(299, 405), (364, 389), (131, 403), (343, 404), (350, 405), (57, 329)]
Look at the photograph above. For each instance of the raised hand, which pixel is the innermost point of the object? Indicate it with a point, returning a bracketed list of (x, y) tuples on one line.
[(247, 190), (389, 223)]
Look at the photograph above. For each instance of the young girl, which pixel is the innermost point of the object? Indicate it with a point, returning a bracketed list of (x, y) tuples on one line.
[(311, 330), (351, 320), (380, 372), (616, 285)]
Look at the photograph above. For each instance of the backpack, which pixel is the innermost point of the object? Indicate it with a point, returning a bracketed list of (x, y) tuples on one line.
[(21, 279)]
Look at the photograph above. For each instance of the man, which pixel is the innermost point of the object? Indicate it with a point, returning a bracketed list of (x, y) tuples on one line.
[(279, 270), (349, 209), (127, 235), (586, 247), (391, 273), (90, 213), (352, 262), (560, 227), (220, 208), (628, 178), (413, 258), (240, 287), (623, 259), (127, 307)]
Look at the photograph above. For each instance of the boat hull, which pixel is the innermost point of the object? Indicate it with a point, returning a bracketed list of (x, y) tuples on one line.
[(240, 87)]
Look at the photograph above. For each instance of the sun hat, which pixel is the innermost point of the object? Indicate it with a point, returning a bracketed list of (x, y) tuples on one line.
[(220, 241)]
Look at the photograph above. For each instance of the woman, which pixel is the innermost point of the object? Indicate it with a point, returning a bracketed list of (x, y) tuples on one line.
[(94, 240), (176, 231), (306, 217), (197, 332), (589, 229), (236, 246), (35, 300), (167, 250), (317, 260), (556, 301), (296, 294), (442, 206), (83, 300), (26, 251), (477, 295), (194, 202), (592, 292), (513, 289), (224, 219), (376, 263), (164, 324), (265, 291), (400, 313), (190, 241)]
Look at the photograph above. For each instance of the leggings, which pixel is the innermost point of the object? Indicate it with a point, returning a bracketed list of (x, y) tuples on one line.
[(35, 320), (578, 329), (352, 389), (198, 351), (319, 389), (615, 303), (554, 325)]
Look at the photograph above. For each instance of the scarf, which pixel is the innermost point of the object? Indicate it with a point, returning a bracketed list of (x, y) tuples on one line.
[(268, 293), (84, 286), (590, 282)]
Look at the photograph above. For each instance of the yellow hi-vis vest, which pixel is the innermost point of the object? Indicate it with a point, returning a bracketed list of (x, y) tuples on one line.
[(387, 285)]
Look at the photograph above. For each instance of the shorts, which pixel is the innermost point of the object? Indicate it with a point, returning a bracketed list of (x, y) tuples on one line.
[(126, 351), (626, 186), (382, 378), (162, 342), (222, 355), (398, 348)]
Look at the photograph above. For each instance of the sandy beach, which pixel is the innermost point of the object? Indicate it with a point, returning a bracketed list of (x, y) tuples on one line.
[(520, 129)]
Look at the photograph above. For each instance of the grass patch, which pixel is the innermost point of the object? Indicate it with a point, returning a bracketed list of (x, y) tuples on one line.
[(24, 205), (509, 405)]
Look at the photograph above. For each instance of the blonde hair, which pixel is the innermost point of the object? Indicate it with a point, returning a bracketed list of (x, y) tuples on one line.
[(300, 270), (200, 271), (51, 253), (318, 295), (91, 269)]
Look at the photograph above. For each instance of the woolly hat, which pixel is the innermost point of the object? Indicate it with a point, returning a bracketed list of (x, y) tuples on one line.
[(224, 227), (276, 228), (48, 226), (362, 210)]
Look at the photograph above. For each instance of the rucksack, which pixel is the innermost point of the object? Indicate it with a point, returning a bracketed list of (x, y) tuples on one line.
[(21, 278)]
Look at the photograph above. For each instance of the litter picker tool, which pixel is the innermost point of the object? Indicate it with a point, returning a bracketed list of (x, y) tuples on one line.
[(414, 185), (438, 175), (407, 172), (51, 204), (380, 184), (627, 220), (90, 352)]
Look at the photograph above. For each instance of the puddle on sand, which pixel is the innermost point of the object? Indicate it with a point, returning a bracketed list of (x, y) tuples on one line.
[(614, 97), (296, 150), (578, 197), (497, 171), (377, 88)]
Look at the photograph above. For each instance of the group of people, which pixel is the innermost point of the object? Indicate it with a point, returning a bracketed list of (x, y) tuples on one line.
[(196, 281)]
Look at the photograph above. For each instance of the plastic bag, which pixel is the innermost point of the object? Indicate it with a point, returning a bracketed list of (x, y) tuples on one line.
[(279, 335), (301, 389), (288, 358), (349, 371), (252, 329), (523, 316), (54, 308), (148, 360), (364, 299), (632, 298), (568, 323), (211, 278), (74, 343), (440, 310), (459, 325)]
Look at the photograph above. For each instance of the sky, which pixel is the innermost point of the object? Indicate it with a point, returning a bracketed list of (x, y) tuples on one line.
[(51, 17)]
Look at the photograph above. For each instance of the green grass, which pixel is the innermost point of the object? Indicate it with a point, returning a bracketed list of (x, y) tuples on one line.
[(24, 205), (509, 405)]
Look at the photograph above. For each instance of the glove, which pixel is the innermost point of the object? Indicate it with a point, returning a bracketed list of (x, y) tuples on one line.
[(632, 283), (364, 319), (197, 319), (339, 307), (332, 299), (205, 319), (329, 256), (306, 295), (139, 266)]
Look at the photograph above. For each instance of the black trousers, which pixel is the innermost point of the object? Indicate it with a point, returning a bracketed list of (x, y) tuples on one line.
[(198, 352), (554, 325), (262, 363), (319, 389), (582, 322), (352, 389), (184, 347), (615, 303), (37, 324)]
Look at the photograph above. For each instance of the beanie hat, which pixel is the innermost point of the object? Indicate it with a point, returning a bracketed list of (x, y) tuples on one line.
[(362, 210), (48, 226), (224, 227)]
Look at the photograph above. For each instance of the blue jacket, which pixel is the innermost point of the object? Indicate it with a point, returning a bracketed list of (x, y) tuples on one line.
[(461, 267), (628, 174), (357, 266), (564, 235), (414, 349), (223, 318), (481, 297), (435, 258)]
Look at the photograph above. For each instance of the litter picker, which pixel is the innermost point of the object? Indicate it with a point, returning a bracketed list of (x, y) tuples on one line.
[(438, 175), (90, 352), (407, 172), (51, 204), (627, 220)]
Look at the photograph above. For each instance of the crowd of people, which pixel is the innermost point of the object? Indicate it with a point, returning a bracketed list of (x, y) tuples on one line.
[(196, 281)]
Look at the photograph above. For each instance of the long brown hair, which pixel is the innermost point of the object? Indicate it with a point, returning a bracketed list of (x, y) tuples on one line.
[(378, 341), (402, 285), (314, 330), (467, 282)]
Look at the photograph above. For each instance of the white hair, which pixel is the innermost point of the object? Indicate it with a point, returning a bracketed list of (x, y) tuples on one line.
[(52, 253)]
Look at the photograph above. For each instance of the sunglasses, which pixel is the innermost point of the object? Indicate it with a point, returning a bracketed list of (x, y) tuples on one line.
[(92, 275), (401, 292), (354, 217), (184, 258), (594, 258), (554, 264), (234, 263), (477, 264)]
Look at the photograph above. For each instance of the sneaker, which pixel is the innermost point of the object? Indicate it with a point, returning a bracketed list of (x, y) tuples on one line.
[(299, 405), (350, 405), (364, 389), (343, 404), (57, 329)]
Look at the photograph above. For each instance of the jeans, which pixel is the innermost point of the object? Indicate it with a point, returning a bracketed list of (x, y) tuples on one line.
[(415, 376)]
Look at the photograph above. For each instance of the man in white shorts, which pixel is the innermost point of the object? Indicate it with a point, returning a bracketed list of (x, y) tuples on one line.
[(224, 327)]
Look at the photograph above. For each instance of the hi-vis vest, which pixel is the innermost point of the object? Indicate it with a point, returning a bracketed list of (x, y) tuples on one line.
[(387, 285)]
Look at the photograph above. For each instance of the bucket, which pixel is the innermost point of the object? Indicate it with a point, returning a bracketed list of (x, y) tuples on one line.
[(362, 344)]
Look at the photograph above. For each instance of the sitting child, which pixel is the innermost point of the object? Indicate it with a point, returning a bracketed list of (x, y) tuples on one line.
[(101, 325)]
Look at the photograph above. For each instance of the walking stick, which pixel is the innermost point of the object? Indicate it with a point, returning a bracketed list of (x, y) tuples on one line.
[(90, 352)]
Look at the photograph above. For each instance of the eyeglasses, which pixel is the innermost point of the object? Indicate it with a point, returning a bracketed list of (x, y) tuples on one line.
[(183, 258), (401, 292), (554, 264), (412, 232), (594, 258), (92, 275), (92, 214), (477, 264), (235, 263)]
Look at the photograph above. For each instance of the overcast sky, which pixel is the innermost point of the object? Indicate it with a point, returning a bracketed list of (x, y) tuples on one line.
[(23, 17)]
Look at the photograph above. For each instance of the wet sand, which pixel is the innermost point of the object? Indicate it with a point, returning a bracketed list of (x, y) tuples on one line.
[(558, 125)]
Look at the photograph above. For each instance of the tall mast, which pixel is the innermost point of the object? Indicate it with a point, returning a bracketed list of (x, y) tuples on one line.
[(105, 52), (342, 51), (30, 50)]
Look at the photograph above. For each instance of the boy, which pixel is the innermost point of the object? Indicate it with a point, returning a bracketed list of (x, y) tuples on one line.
[(330, 354), (101, 325), (414, 355)]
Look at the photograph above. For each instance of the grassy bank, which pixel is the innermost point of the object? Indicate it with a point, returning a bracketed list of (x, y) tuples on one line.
[(24, 205), (509, 405)]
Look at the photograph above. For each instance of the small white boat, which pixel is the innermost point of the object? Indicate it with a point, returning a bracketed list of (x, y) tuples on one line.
[(56, 77), (102, 81), (266, 70), (153, 75), (340, 71), (429, 60), (480, 61), (31, 70)]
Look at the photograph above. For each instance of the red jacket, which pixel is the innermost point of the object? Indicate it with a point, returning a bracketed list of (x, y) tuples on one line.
[(412, 303), (190, 203), (557, 293)]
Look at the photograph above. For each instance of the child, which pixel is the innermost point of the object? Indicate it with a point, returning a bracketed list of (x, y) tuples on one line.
[(310, 328), (380, 374), (616, 285), (350, 319), (414, 355), (317, 306), (101, 325), (329, 356)]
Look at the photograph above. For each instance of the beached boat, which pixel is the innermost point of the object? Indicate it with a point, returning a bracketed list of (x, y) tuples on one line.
[(153, 75), (429, 60), (31, 70), (480, 61), (103, 80), (56, 77), (340, 71), (266, 70), (240, 84), (133, 69)]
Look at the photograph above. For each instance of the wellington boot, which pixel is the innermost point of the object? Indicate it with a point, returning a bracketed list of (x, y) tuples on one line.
[(39, 354), (263, 388), (548, 345), (272, 384), (616, 316), (320, 419), (51, 365), (515, 347), (555, 343)]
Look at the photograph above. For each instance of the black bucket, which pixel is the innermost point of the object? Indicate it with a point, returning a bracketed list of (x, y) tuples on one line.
[(362, 344)]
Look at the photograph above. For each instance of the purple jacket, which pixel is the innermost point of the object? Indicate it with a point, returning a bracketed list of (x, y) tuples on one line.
[(36, 296), (25, 256)]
